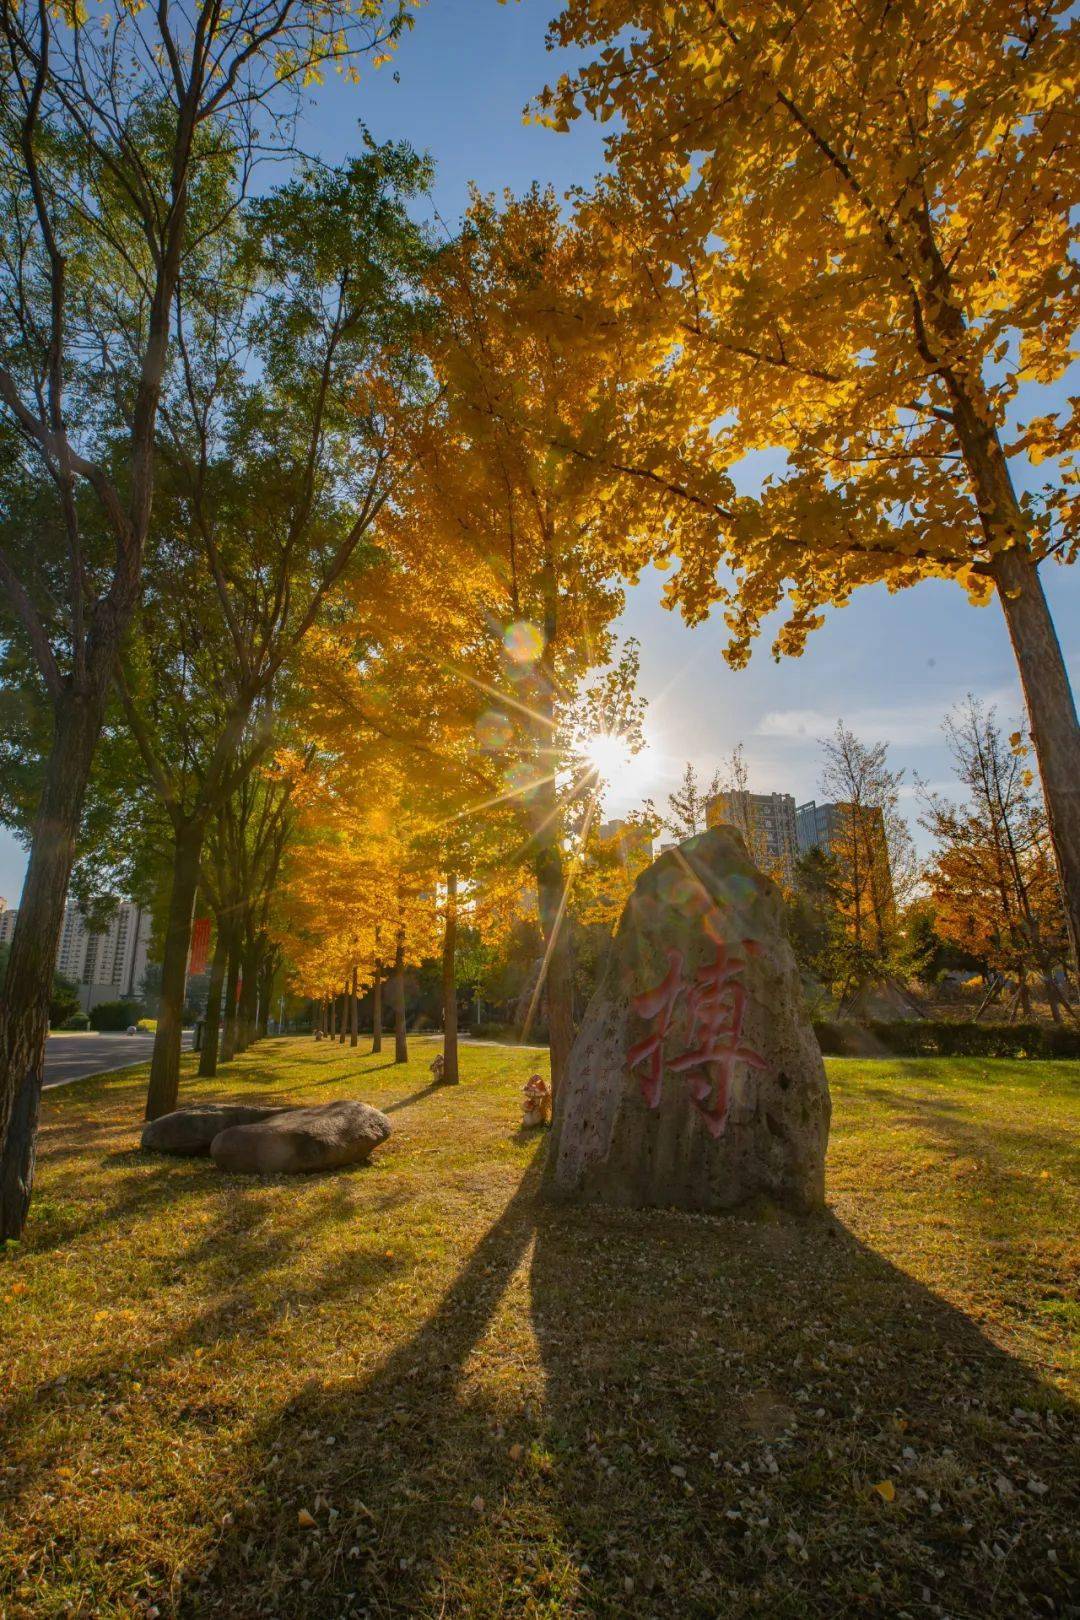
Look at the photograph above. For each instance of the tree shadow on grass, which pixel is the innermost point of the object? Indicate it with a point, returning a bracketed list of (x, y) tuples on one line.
[(241, 1261), (958, 1127), (719, 1412), (351, 1074), (414, 1097), (65, 1214)]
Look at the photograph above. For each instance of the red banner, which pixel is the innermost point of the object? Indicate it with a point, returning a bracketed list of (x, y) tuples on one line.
[(199, 958)]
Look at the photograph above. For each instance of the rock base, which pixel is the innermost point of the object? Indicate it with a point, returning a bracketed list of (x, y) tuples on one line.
[(696, 1081)]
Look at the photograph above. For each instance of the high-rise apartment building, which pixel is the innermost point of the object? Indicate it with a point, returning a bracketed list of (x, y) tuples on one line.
[(856, 836), (106, 966), (767, 822), (816, 825)]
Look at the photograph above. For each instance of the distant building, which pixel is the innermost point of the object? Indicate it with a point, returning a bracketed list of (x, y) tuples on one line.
[(635, 839), (816, 826), (106, 966), (767, 821), (831, 828)]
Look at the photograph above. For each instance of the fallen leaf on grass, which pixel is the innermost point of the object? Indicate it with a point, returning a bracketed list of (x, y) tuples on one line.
[(885, 1489), (305, 1520), (516, 1452)]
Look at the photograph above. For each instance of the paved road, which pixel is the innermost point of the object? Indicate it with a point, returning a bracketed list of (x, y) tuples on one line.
[(72, 1056)]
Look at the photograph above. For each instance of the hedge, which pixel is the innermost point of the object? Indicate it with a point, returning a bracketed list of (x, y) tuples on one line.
[(939, 1038), (114, 1015)]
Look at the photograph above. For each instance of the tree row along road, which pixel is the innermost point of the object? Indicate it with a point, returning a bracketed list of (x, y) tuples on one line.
[(76, 1056)]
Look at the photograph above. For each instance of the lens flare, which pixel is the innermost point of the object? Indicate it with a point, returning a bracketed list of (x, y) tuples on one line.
[(494, 731), (523, 642)]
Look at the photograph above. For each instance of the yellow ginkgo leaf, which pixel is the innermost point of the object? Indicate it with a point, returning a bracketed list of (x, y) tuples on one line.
[(886, 1490)]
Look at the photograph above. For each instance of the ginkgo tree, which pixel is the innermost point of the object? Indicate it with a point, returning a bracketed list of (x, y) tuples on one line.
[(128, 134), (524, 505), (856, 220), (991, 876), (397, 712), (358, 898)]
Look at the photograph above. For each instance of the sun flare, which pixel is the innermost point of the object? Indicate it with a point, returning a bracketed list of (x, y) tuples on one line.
[(615, 764)]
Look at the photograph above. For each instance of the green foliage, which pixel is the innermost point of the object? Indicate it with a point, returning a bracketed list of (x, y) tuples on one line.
[(814, 923), (929, 1038), (78, 1021), (64, 1001), (926, 954), (109, 1016)]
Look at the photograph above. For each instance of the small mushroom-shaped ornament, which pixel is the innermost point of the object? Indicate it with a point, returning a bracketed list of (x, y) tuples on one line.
[(536, 1109)]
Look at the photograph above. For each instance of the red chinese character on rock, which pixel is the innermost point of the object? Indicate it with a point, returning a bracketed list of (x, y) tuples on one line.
[(716, 1003), (658, 1003)]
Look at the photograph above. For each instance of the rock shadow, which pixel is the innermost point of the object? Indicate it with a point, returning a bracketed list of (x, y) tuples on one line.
[(721, 1411)]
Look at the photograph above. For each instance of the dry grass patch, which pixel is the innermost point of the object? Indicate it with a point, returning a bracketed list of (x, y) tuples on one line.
[(415, 1390)]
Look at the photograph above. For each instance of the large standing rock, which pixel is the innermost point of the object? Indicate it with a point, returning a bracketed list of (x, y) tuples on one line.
[(322, 1138), (696, 1081), (191, 1130)]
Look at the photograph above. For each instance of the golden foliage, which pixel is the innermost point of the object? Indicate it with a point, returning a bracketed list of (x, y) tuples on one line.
[(853, 226)]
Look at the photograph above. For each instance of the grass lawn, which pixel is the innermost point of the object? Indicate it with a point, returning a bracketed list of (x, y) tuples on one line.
[(415, 1390)]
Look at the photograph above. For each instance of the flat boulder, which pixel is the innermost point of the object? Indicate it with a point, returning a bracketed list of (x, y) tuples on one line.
[(696, 1081), (327, 1137), (190, 1131)]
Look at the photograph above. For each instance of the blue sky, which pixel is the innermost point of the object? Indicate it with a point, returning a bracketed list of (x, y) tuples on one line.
[(889, 666)]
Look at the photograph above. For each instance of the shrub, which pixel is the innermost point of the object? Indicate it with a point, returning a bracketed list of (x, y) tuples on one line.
[(147, 1026), (78, 1020), (930, 1038), (63, 1003), (492, 1032), (114, 1015)]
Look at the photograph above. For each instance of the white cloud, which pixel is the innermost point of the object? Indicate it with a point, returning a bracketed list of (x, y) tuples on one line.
[(905, 725), (795, 723)]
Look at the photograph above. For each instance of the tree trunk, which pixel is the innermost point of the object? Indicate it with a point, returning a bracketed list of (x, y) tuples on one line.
[(266, 997), (212, 1025), (232, 996), (331, 1002), (344, 1018), (551, 899), (449, 985), (1043, 675), (27, 991), (249, 990), (1051, 710), (164, 1084), (401, 1044), (1025, 996), (376, 1010), (354, 1010)]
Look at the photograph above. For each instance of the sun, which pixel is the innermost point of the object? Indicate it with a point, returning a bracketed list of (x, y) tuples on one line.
[(611, 758)]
